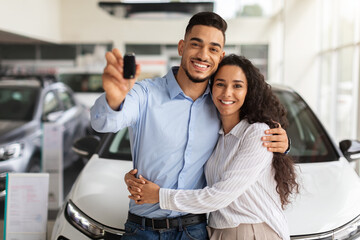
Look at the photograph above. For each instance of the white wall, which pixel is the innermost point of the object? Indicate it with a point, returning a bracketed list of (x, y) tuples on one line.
[(39, 19)]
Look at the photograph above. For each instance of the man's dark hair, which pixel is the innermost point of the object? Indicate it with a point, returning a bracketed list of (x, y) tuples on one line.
[(210, 19)]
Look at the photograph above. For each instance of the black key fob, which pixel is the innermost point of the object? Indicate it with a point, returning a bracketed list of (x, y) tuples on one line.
[(129, 66)]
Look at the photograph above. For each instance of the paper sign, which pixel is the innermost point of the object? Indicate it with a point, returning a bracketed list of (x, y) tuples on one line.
[(52, 158), (26, 206)]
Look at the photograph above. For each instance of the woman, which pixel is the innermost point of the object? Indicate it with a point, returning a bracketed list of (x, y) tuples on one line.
[(248, 186)]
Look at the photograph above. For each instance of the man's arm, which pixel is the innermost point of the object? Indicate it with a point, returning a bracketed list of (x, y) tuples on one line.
[(114, 84), (105, 112), (276, 140)]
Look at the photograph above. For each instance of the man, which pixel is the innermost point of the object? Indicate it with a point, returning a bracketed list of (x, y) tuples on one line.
[(173, 126)]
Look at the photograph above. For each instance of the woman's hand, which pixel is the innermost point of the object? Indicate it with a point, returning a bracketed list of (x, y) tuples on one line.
[(131, 180), (144, 193)]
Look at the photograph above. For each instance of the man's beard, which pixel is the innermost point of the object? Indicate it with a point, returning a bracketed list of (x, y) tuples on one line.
[(196, 80)]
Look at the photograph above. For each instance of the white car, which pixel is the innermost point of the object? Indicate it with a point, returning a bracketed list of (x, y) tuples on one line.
[(328, 206)]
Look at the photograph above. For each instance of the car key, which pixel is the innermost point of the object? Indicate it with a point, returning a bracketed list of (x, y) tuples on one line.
[(129, 66)]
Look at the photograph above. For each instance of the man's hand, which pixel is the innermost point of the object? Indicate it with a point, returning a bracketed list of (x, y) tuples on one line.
[(114, 84), (145, 193), (277, 141)]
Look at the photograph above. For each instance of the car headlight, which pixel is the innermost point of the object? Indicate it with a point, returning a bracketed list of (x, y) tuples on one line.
[(83, 222), (10, 151), (86, 225), (349, 231)]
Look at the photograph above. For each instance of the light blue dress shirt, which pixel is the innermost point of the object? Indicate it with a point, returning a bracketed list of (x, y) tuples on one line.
[(171, 135)]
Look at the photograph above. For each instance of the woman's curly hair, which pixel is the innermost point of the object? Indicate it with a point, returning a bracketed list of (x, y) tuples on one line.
[(261, 105)]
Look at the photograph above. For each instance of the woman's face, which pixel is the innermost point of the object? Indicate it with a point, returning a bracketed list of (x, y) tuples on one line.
[(229, 90)]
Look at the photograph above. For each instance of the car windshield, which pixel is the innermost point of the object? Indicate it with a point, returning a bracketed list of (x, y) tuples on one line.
[(309, 141), (119, 146), (83, 82), (17, 103)]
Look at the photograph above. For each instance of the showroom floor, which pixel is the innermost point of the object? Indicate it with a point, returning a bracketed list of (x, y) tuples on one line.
[(70, 175)]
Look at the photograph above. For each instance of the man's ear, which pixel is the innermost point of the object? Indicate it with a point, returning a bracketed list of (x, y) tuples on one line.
[(181, 47), (222, 56)]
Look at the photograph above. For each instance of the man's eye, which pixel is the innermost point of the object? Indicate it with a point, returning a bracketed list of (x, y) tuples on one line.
[(214, 50)]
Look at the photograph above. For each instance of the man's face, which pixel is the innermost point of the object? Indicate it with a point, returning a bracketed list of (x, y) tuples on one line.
[(201, 51)]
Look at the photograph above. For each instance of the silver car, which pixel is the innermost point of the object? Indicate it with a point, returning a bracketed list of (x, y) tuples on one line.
[(25, 103)]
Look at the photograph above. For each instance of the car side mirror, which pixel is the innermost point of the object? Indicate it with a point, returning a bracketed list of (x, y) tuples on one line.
[(86, 146), (350, 149), (52, 117)]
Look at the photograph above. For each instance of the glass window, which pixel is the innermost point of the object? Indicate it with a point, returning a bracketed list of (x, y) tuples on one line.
[(66, 99), (17, 103), (346, 21), (345, 88), (309, 141), (327, 23), (255, 8), (54, 52), (82, 82), (51, 104), (18, 51), (144, 49), (258, 54), (326, 110)]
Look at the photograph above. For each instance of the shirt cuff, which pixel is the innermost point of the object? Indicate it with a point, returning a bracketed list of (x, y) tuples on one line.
[(164, 198), (109, 109), (289, 147)]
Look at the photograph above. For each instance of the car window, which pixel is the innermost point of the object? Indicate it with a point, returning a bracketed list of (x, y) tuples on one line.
[(51, 104), (309, 140), (18, 103), (83, 82), (66, 99), (118, 147)]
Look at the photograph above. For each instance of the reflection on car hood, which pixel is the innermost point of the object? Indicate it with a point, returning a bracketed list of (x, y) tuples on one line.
[(101, 193), (329, 198), (12, 130)]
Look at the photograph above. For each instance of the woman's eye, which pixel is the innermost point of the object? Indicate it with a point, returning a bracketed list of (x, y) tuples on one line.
[(238, 86), (220, 84)]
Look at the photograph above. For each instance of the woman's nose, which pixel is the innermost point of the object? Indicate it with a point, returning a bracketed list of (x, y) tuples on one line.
[(228, 91)]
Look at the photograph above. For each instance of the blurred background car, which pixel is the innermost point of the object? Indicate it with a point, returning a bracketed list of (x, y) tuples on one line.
[(26, 102), (86, 85), (97, 205)]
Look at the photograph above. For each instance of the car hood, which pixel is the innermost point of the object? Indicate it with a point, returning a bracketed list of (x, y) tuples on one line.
[(101, 193), (329, 198), (13, 130), (329, 195)]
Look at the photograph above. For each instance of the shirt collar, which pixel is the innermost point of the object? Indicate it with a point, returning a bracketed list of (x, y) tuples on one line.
[(173, 86), (238, 130)]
